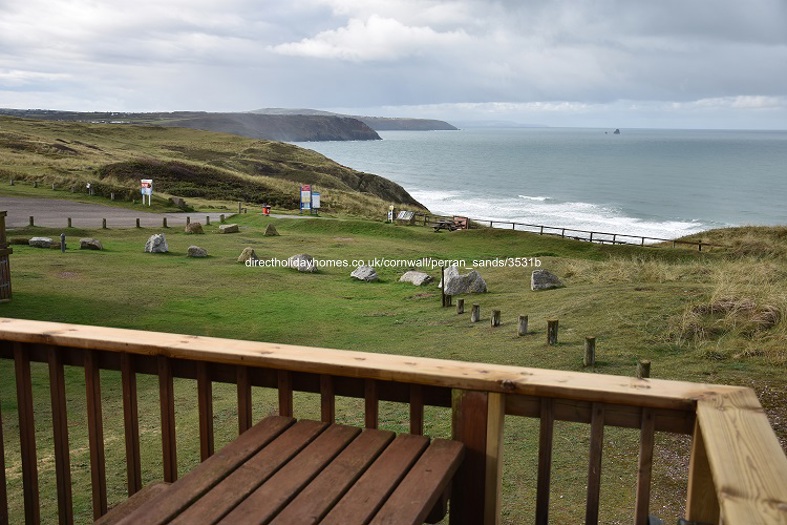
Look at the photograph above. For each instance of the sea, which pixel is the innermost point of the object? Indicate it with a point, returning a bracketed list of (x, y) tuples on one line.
[(645, 182)]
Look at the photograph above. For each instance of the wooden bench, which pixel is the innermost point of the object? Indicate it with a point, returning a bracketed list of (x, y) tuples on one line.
[(289, 472)]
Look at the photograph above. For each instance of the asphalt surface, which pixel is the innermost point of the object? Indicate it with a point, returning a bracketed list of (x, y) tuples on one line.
[(54, 213)]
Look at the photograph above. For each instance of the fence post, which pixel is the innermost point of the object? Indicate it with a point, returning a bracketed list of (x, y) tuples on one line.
[(643, 369), (522, 325), (137, 223), (699, 245), (590, 351), (207, 220), (103, 224), (552, 325), (69, 222), (477, 421), (495, 319), (475, 313), (164, 222), (221, 218), (32, 221), (460, 306)]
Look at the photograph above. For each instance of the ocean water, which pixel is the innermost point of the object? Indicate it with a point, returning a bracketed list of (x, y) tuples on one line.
[(654, 183)]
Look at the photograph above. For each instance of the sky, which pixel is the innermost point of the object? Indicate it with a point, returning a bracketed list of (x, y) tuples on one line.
[(602, 63)]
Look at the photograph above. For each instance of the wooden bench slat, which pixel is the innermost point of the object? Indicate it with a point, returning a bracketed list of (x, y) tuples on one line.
[(261, 505), (212, 471), (326, 489), (141, 498), (233, 489), (410, 502), (365, 497)]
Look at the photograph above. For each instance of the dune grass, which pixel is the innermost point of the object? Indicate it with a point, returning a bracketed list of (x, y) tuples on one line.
[(708, 317)]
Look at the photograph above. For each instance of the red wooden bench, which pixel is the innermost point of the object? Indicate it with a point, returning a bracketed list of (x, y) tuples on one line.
[(289, 472)]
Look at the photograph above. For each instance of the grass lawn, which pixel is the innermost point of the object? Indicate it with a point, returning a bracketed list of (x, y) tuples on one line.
[(706, 317)]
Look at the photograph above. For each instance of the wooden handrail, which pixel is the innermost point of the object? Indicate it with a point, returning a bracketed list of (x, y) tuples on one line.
[(738, 470)]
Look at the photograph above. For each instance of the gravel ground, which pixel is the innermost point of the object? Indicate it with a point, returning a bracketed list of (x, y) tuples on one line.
[(54, 213)]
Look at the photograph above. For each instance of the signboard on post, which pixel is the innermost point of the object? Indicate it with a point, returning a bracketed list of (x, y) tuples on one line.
[(146, 188), (306, 198), (315, 202)]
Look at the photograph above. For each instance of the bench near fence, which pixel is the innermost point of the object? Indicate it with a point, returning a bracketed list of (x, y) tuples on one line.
[(737, 473)]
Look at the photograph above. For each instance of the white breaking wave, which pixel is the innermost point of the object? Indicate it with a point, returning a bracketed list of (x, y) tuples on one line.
[(545, 211)]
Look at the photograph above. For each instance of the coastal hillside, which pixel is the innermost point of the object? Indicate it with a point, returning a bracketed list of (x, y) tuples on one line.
[(185, 163), (376, 123)]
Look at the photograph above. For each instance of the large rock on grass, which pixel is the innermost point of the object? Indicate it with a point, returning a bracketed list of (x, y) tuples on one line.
[(229, 228), (544, 280), (248, 254), (458, 284), (416, 278), (90, 244), (196, 251), (40, 242), (303, 262), (365, 273), (194, 227), (271, 231), (157, 243)]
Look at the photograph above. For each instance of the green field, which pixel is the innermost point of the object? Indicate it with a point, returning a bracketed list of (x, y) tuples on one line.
[(711, 317)]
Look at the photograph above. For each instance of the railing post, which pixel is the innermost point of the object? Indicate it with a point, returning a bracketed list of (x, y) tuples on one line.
[(205, 402), (57, 391), (131, 423), (702, 503), (27, 436), (3, 482), (95, 426), (478, 423), (167, 405), (244, 399)]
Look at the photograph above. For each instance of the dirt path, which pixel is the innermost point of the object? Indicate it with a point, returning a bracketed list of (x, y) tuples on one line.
[(54, 213)]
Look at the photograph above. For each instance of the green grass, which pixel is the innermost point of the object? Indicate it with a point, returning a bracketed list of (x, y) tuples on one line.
[(637, 302)]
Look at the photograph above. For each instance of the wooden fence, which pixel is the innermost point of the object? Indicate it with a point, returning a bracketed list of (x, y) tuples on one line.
[(425, 219), (737, 474)]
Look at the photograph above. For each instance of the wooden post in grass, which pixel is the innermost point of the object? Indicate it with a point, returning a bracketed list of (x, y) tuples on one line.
[(207, 220), (69, 222), (460, 306), (495, 319), (239, 207), (164, 222), (138, 223), (475, 313), (188, 220), (522, 325), (103, 224), (643, 369), (590, 351), (32, 221), (221, 218), (552, 331)]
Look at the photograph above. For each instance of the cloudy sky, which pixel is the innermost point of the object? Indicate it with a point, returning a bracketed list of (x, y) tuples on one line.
[(607, 63)]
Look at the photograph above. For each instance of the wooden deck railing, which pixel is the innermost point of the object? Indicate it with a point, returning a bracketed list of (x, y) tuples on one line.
[(738, 471)]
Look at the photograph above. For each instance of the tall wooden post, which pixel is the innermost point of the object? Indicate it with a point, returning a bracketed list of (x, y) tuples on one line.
[(478, 423), (475, 313), (5, 267), (460, 306), (552, 325)]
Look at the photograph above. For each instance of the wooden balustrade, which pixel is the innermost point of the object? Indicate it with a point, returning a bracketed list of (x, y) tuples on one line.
[(738, 470)]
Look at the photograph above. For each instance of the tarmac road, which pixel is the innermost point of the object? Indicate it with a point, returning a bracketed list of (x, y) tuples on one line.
[(54, 213)]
